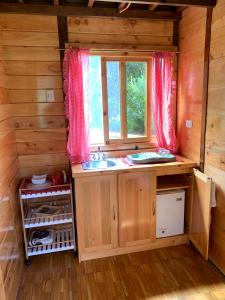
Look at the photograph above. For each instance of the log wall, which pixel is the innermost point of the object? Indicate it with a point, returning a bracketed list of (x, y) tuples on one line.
[(120, 31), (190, 80), (32, 127), (30, 46), (215, 133), (190, 95), (11, 243)]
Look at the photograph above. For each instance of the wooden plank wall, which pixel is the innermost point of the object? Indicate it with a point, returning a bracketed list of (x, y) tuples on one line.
[(190, 80), (32, 64), (32, 128), (120, 31), (11, 245), (215, 133), (30, 46)]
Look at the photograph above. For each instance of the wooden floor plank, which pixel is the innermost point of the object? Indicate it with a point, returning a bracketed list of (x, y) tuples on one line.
[(173, 273)]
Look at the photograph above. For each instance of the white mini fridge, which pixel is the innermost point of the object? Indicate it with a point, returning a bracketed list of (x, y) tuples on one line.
[(170, 213)]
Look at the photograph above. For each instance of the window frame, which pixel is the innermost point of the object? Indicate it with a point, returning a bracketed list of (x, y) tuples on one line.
[(148, 140)]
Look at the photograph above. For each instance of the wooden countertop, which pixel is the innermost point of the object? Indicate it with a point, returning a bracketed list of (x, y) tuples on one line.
[(182, 165)]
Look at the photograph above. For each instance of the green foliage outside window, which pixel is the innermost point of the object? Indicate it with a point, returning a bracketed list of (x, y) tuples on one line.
[(136, 97)]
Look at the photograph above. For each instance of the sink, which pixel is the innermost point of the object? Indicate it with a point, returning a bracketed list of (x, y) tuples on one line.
[(151, 157), (98, 164)]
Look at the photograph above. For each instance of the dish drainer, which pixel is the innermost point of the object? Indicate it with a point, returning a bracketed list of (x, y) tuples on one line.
[(32, 198)]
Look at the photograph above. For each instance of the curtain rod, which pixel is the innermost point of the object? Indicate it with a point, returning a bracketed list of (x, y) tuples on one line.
[(122, 47), (123, 50)]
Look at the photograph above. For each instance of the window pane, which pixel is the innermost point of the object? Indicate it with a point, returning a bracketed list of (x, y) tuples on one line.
[(95, 101), (113, 92), (136, 98)]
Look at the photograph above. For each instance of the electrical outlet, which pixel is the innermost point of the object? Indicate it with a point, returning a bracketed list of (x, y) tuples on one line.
[(50, 96), (189, 123)]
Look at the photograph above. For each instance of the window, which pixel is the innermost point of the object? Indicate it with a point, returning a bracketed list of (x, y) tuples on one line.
[(119, 100), (95, 101)]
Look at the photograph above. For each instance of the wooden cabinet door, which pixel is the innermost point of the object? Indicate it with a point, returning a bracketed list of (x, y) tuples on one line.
[(137, 196), (96, 213), (201, 212)]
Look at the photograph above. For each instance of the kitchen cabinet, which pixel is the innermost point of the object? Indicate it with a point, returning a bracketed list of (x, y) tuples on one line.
[(96, 211), (116, 209), (136, 207), (198, 188)]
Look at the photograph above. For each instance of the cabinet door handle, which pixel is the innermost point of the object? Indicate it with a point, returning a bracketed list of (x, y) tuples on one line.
[(114, 213), (154, 208)]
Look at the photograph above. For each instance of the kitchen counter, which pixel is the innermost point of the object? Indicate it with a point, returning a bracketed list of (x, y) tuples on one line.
[(181, 165), (116, 207)]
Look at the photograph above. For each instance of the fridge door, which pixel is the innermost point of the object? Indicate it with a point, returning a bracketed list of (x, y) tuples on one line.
[(170, 213)]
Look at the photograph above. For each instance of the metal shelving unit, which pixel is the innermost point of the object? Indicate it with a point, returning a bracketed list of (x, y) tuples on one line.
[(63, 240), (62, 222)]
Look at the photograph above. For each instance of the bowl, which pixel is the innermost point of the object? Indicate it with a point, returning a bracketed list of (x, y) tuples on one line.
[(39, 179)]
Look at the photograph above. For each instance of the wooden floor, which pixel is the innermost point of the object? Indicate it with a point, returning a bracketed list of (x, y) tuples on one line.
[(169, 273)]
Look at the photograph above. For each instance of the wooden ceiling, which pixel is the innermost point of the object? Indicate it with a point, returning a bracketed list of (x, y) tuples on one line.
[(154, 9)]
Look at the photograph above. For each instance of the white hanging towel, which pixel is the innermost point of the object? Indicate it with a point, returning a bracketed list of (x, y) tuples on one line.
[(213, 194)]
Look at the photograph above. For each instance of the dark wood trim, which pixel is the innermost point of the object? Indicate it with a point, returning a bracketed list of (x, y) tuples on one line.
[(124, 47), (122, 5), (63, 40), (205, 87), (153, 6), (90, 3), (180, 9), (63, 35), (59, 10), (202, 3), (175, 33)]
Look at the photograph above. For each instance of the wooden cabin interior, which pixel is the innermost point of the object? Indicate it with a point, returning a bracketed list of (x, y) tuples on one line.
[(115, 253)]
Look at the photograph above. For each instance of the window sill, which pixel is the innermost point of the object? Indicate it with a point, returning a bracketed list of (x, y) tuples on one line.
[(124, 149)]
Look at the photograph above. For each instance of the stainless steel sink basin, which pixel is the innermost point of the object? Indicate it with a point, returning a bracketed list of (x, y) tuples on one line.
[(98, 164)]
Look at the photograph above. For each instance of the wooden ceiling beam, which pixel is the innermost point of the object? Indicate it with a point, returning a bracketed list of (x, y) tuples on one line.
[(153, 6), (90, 3), (127, 5), (202, 3), (124, 47), (59, 10), (181, 8), (122, 5)]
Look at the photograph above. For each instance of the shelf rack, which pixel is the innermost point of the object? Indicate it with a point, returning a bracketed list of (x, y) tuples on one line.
[(63, 240), (62, 222), (172, 182), (32, 221)]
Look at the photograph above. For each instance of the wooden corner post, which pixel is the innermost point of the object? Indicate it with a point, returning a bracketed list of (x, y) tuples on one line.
[(205, 87)]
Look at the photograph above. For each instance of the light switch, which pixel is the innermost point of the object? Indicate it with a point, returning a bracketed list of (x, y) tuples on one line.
[(189, 123), (50, 95)]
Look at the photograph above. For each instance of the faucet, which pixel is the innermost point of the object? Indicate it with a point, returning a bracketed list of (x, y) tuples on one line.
[(98, 154), (93, 157)]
